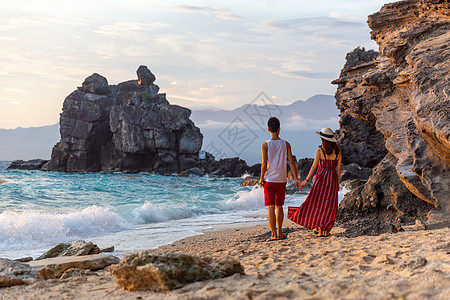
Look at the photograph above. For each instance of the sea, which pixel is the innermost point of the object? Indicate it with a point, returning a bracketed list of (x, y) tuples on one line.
[(39, 210)]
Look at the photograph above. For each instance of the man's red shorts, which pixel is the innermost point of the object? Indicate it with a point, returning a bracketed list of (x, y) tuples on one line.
[(274, 193)]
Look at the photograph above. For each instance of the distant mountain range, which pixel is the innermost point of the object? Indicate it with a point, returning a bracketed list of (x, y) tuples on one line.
[(318, 107), (227, 133), (240, 132), (28, 143)]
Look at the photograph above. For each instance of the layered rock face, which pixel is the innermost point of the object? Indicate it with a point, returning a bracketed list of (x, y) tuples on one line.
[(395, 115), (127, 127)]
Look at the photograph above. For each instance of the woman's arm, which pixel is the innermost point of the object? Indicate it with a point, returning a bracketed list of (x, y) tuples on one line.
[(313, 168), (264, 148)]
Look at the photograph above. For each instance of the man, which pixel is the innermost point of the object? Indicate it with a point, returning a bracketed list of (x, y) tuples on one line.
[(274, 176)]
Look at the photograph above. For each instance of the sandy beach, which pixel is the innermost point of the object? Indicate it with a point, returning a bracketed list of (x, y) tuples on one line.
[(405, 265)]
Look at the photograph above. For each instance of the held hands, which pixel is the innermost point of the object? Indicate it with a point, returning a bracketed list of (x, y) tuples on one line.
[(298, 184), (303, 183), (261, 182)]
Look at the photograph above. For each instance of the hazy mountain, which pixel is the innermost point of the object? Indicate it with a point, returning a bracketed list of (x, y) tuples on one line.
[(227, 133), (240, 132), (28, 143), (318, 107)]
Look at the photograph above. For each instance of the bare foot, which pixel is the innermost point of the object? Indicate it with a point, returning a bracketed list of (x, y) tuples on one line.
[(282, 237), (272, 238), (320, 232)]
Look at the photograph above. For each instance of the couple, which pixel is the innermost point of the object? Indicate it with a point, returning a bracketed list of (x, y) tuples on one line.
[(319, 209)]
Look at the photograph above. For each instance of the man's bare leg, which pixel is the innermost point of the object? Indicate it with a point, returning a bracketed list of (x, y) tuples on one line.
[(280, 217), (272, 222)]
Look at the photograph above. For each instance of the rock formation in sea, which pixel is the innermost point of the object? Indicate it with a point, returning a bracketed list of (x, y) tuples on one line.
[(395, 117), (33, 164), (124, 127)]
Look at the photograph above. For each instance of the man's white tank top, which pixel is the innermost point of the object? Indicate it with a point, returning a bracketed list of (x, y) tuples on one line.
[(276, 158)]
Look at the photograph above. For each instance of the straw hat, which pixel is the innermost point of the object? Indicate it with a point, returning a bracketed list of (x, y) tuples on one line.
[(326, 134)]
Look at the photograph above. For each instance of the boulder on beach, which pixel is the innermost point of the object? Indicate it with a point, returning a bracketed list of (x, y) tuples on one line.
[(143, 270), (57, 266), (16, 273), (75, 248)]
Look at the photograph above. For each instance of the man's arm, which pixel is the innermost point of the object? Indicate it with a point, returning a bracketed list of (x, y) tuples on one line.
[(264, 148), (292, 165)]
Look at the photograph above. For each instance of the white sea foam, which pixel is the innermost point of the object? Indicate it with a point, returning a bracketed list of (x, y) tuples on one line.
[(32, 228), (244, 200), (245, 175), (342, 192), (149, 213)]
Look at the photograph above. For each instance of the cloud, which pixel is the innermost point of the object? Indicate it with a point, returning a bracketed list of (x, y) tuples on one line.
[(66, 21), (210, 124), (7, 38), (129, 30), (13, 90), (297, 122), (315, 24), (20, 22), (308, 75), (221, 12)]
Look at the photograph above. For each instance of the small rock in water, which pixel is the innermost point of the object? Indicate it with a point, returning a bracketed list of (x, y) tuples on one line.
[(24, 259), (33, 164), (249, 181), (109, 249), (143, 270)]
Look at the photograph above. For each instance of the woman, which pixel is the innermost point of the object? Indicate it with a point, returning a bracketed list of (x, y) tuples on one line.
[(320, 207)]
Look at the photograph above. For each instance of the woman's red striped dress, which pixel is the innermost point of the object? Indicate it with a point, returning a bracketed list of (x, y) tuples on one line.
[(321, 205)]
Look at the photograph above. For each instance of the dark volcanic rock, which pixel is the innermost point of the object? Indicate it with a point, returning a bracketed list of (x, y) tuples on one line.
[(128, 127), (95, 84), (395, 114), (145, 77), (34, 164)]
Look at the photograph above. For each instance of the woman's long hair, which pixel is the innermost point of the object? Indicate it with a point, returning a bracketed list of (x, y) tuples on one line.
[(330, 147)]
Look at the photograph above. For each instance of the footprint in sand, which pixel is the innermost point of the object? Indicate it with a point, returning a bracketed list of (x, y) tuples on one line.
[(383, 259), (364, 268), (413, 263), (368, 258)]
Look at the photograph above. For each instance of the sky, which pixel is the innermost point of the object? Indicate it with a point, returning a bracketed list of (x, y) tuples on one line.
[(203, 53)]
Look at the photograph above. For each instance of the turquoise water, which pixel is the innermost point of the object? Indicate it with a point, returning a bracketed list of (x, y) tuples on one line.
[(129, 211)]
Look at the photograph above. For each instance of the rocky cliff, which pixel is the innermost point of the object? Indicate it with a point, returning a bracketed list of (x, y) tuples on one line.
[(125, 127), (395, 117)]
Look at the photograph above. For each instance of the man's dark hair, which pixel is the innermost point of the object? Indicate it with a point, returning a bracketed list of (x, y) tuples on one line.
[(273, 124)]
